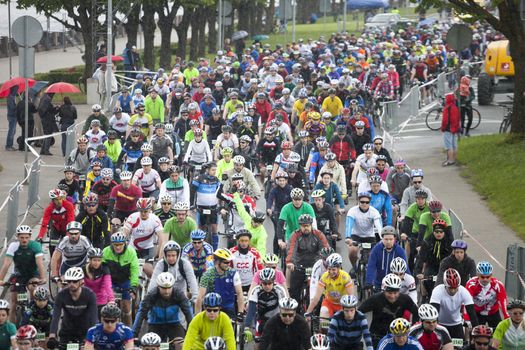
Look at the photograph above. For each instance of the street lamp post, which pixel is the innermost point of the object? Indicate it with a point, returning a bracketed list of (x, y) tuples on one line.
[(109, 46)]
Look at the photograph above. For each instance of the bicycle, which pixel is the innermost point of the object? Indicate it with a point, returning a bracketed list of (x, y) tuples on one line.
[(505, 124), (319, 324), (433, 117), (364, 253), (22, 299), (305, 292), (238, 329)]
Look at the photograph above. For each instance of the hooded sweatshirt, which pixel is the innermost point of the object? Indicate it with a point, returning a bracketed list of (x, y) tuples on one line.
[(182, 283), (450, 121), (379, 263)]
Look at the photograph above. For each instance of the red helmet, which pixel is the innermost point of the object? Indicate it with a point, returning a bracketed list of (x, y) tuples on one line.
[(286, 145), (451, 278), (482, 331), (439, 222), (435, 206), (27, 332), (144, 204)]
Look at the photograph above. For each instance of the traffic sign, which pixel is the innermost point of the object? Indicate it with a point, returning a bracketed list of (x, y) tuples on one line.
[(459, 37), (27, 31)]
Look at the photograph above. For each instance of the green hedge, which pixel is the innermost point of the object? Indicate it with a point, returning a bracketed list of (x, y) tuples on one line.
[(68, 75)]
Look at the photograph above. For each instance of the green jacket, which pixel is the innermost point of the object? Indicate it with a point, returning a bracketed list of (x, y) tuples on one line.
[(113, 150), (155, 108), (123, 267), (180, 233), (259, 234)]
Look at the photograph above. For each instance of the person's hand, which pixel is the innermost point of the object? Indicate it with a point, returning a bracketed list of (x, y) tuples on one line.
[(290, 266), (348, 241), (248, 335), (308, 316), (282, 244), (341, 211), (404, 236), (224, 212), (269, 212), (2, 283), (420, 276), (354, 183), (52, 343), (418, 249)]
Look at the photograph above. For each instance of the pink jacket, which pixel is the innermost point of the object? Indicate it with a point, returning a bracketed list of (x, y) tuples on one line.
[(394, 78), (101, 287)]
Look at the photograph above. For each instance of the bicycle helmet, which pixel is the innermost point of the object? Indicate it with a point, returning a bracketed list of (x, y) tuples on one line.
[(223, 254), (41, 293), (226, 128), (482, 331), (297, 193), (241, 186), (214, 343), (74, 226), (126, 175), (364, 194), (326, 172), (381, 158), (435, 206), (247, 119), (270, 259), (371, 172), (94, 252), (451, 278), (144, 204), (267, 274), (243, 233), (330, 156), (323, 145), (94, 122), (421, 194), (165, 280), (318, 193), (305, 219), (181, 206), (314, 115), (319, 342), (320, 139), (69, 168), (237, 176), (147, 147), (163, 160), (82, 139), (56, 193), (398, 265), (118, 237), (288, 303), (4, 304), (145, 161), (349, 301), (334, 260), (27, 332), (360, 125), (286, 145), (101, 148), (96, 107), (212, 300), (150, 339), (484, 268), (166, 198), (194, 122), (226, 151), (171, 246), (391, 283), (459, 244), (106, 173), (416, 173), (388, 230), (368, 146), (239, 160), (292, 168), (326, 252), (259, 217), (427, 312), (514, 304), (169, 128), (439, 224), (375, 179), (303, 133), (399, 326), (74, 274), (269, 130), (24, 229), (197, 235), (326, 115), (110, 310)]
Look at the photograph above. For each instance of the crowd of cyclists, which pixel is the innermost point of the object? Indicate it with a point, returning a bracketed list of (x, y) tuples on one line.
[(156, 231)]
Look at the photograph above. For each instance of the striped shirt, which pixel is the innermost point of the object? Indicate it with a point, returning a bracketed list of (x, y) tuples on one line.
[(349, 334)]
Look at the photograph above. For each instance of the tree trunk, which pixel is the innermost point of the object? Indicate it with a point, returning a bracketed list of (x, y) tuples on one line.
[(87, 36), (132, 25), (202, 32), (165, 23), (243, 15), (212, 30), (270, 14), (148, 25), (194, 41), (259, 19), (182, 32)]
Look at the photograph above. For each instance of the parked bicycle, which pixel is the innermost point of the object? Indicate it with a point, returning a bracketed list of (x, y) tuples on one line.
[(434, 116)]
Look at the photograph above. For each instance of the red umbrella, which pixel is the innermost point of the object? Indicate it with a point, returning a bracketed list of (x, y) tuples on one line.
[(62, 88), (104, 59), (20, 82)]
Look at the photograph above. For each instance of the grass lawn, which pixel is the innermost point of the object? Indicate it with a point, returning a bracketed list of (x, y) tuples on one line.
[(494, 166)]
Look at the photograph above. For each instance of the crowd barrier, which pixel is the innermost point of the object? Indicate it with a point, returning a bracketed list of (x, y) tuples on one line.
[(515, 272)]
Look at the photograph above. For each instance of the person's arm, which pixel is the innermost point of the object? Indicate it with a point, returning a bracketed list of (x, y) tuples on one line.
[(366, 334), (228, 334), (191, 280), (40, 266), (55, 259), (318, 293), (471, 312), (200, 297), (388, 210), (349, 226), (184, 305), (55, 319), (5, 267), (502, 299), (144, 308), (240, 297)]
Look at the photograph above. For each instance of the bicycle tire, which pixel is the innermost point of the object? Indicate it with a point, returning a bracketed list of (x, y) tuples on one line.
[(476, 119), (504, 126), (433, 119)]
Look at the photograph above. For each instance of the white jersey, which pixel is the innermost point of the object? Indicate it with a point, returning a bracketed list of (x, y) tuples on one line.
[(364, 164), (362, 224), (74, 254), (142, 232), (95, 140), (121, 124), (450, 306), (146, 182), (317, 271), (408, 287), (247, 264), (272, 304), (364, 186)]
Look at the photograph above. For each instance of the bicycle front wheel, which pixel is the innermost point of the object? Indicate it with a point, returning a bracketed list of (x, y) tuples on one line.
[(476, 118), (433, 119), (504, 125)]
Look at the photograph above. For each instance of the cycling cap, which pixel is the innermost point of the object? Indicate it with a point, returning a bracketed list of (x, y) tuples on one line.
[(427, 312), (297, 193), (348, 301), (197, 235), (165, 280), (319, 342), (451, 278), (459, 244), (334, 260), (74, 274), (398, 265), (212, 300), (150, 339), (318, 193), (267, 274), (399, 326), (214, 343), (391, 283), (111, 311), (305, 219), (484, 268), (288, 303)]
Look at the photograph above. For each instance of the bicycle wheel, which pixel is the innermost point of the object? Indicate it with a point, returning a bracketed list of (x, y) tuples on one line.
[(505, 125), (433, 119), (476, 118)]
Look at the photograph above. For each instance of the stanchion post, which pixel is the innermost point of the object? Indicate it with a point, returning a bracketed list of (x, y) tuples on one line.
[(12, 211)]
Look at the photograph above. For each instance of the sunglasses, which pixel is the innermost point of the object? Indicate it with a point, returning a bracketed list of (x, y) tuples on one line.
[(364, 202), (439, 231), (378, 143), (118, 244), (91, 205), (72, 282), (482, 343), (212, 310), (417, 182), (109, 321), (197, 242), (74, 233), (166, 203), (267, 283), (285, 314), (430, 322)]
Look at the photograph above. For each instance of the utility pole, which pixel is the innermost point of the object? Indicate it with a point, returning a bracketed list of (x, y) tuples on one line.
[(109, 63)]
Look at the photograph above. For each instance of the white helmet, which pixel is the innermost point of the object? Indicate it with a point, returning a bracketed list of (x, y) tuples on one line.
[(334, 260), (146, 161), (147, 147), (74, 226), (150, 339), (214, 343), (297, 193), (106, 172), (96, 108), (24, 229), (4, 304), (126, 175), (288, 303), (238, 159), (74, 274), (165, 280), (319, 342), (166, 198), (391, 282), (398, 265), (348, 300), (182, 206), (427, 312)]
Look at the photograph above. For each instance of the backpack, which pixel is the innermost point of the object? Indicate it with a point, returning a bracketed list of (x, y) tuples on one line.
[(181, 269)]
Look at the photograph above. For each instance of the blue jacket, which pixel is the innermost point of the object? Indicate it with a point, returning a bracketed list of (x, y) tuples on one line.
[(333, 195), (388, 343), (382, 202), (316, 164), (379, 263), (279, 195)]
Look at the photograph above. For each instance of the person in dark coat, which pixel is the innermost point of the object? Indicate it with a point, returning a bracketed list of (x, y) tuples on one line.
[(68, 115), (20, 118), (11, 118), (47, 113)]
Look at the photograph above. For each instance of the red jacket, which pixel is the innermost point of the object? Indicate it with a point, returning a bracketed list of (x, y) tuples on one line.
[(488, 301), (264, 109), (343, 148), (60, 217), (450, 121)]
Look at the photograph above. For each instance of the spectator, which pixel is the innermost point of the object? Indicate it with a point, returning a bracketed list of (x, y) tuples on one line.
[(450, 127), (11, 118), (20, 117), (68, 114), (47, 112)]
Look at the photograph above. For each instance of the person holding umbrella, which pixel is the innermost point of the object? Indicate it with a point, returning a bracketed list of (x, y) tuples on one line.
[(47, 113), (11, 118), (20, 117), (68, 114)]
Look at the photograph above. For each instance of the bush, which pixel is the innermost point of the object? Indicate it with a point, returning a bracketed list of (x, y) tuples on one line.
[(68, 75)]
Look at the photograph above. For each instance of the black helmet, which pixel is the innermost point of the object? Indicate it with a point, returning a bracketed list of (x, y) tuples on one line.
[(243, 233), (259, 217), (110, 310), (305, 219)]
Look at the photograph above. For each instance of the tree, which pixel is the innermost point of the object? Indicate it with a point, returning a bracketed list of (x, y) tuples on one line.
[(166, 12), (510, 24)]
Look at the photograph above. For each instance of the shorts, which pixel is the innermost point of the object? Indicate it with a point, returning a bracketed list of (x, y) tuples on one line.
[(331, 306), (205, 218), (360, 239), (122, 288), (168, 331), (146, 254), (21, 280), (450, 140)]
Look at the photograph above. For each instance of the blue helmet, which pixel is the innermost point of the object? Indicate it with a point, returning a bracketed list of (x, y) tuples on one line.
[(416, 173), (198, 235), (212, 300), (364, 194), (484, 268)]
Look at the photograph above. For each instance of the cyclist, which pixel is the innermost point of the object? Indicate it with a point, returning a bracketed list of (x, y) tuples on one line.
[(150, 341), (56, 217), (176, 186), (481, 337), (225, 163), (398, 337), (147, 178), (162, 144), (449, 298), (71, 251), (94, 222), (7, 329), (103, 187), (267, 150), (289, 215), (509, 333), (380, 199), (222, 280), (398, 180), (179, 267), (109, 333), (142, 227), (319, 342), (334, 284), (28, 260), (399, 267), (304, 247), (215, 343), (459, 261), (246, 259), (252, 187), (361, 221), (179, 227), (199, 253), (123, 265), (325, 216), (333, 194), (410, 225), (386, 306), (287, 330), (198, 151), (39, 311), (430, 334), (489, 295), (162, 307), (319, 268), (26, 338), (80, 157), (72, 184), (76, 309), (210, 323), (263, 302), (435, 213), (165, 212), (270, 261), (366, 186), (409, 194), (97, 277), (363, 162), (349, 327), (253, 223), (278, 197), (285, 158), (92, 176), (123, 197), (381, 257)]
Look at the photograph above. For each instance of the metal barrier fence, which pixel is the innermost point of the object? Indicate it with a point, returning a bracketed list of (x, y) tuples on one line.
[(457, 225), (72, 134), (515, 272), (397, 114)]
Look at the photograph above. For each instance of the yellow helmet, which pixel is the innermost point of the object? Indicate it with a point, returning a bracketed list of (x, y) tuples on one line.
[(314, 115), (226, 150), (224, 254), (399, 326)]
